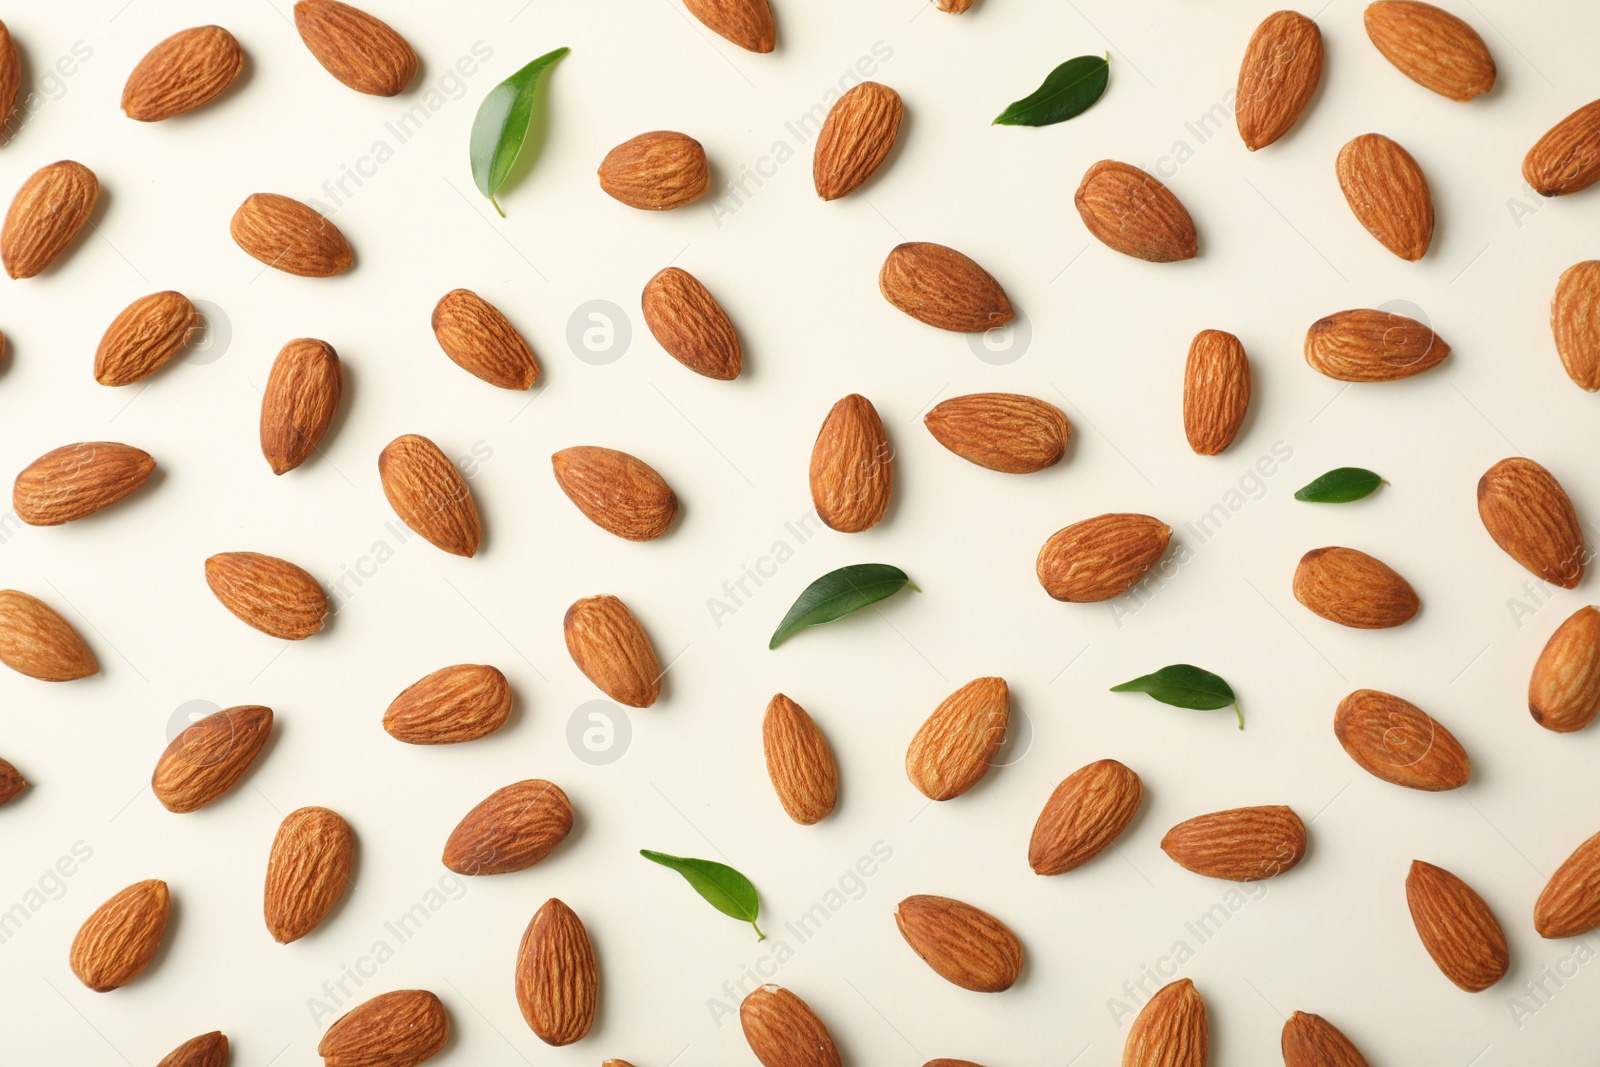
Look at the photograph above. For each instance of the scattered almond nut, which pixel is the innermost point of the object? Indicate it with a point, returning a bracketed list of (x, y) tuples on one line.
[(1431, 47), (360, 50), (799, 762), (1239, 845), (558, 985), (429, 494), (953, 749), (1531, 518), (308, 871), (1351, 588), (75, 481), (1575, 321), (963, 944), (1086, 812), (1397, 741), (510, 830), (302, 396), (117, 942), (207, 1050), (852, 472), (481, 341), (188, 69), (783, 1031), (617, 492), (10, 72), (1001, 431), (611, 649), (747, 23), (1130, 212), (36, 641), (1216, 391), (144, 335), (1170, 1030), (1102, 557), (268, 593), (1567, 158), (209, 757), (1564, 690), (449, 706), (398, 1029), (1388, 194), (11, 782), (290, 236), (1570, 902), (687, 321), (943, 288), (656, 171), (46, 214), (1372, 346), (856, 138), (1277, 78), (1312, 1041), (1457, 927)]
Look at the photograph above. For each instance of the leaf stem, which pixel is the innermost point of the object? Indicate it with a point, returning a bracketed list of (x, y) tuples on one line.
[(497, 207), (761, 936), (1237, 711)]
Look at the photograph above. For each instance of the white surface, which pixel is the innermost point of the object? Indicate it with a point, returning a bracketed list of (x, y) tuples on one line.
[(1279, 249)]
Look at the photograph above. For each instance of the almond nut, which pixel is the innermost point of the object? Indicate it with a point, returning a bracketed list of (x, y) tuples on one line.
[(747, 23), (116, 943), (856, 138), (558, 986), (1569, 905), (1567, 158), (268, 593), (36, 641), (656, 171), (1001, 431), (617, 492), (1170, 1030), (1531, 518), (429, 494), (75, 481), (451, 705), (783, 1031), (1102, 557), (1130, 212), (954, 748), (302, 396), (1397, 741), (290, 236), (609, 646), (1431, 47), (1312, 1041), (964, 945), (482, 341), (207, 1050), (687, 321), (46, 214), (1239, 845), (1457, 927), (209, 757), (1575, 321), (11, 782), (1086, 812), (307, 872), (1281, 68), (1564, 690), (360, 50), (799, 762), (144, 335), (1388, 194), (943, 288), (852, 469), (1372, 346), (1351, 588), (510, 830), (1216, 391), (188, 69), (398, 1029)]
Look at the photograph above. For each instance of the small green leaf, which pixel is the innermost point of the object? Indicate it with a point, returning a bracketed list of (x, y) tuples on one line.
[(1184, 686), (502, 124), (1340, 486), (838, 593), (1068, 91), (723, 887)]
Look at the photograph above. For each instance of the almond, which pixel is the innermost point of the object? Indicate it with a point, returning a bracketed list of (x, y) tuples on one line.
[(1575, 321), (1566, 159), (1388, 194), (1351, 588), (658, 170), (10, 72), (362, 51), (687, 321), (11, 782), (451, 705), (210, 756), (1086, 812), (1569, 905), (1457, 927), (146, 334), (963, 944), (609, 646), (1281, 68), (1130, 212), (949, 1062), (852, 469), (799, 762), (290, 236), (1102, 557), (207, 1050), (1001, 431), (429, 494), (953, 7), (617, 492), (783, 1031), (955, 746), (1372, 346), (268, 593), (307, 872), (558, 987), (482, 341), (1216, 391), (1312, 1041), (943, 288), (45, 215), (1170, 1030), (35, 641), (510, 830), (1564, 691), (302, 396), (1431, 47), (856, 138), (1239, 845), (1397, 741), (75, 481), (118, 941), (398, 1029), (190, 68), (1529, 515), (747, 23)]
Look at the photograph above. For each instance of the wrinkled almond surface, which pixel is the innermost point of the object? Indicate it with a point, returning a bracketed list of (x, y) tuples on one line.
[(941, 287), (188, 69), (75, 481), (783, 1031), (1102, 557), (558, 985), (1239, 845), (1216, 391), (1365, 345), (1133, 213), (307, 872), (46, 214), (298, 405), (210, 756), (1397, 741), (144, 335), (656, 171), (609, 646), (1388, 194), (268, 593), (451, 705), (429, 494), (954, 747), (116, 943), (36, 641), (1431, 47), (963, 944), (357, 48), (1351, 588), (290, 236), (799, 761), (687, 321), (1575, 322), (1564, 690), (510, 830), (1531, 518), (398, 1029), (1001, 431), (1281, 68), (852, 472), (857, 137), (1086, 812), (1457, 927)]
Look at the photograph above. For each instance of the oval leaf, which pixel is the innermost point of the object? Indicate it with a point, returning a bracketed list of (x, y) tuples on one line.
[(1185, 686), (1340, 486), (838, 593), (1068, 91), (501, 126), (722, 887)]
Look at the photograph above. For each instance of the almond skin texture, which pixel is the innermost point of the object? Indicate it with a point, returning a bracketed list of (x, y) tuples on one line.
[(852, 469), (118, 941), (45, 215), (1353, 589), (1364, 345), (1457, 927), (290, 236), (358, 49), (952, 7), (1312, 1041), (1216, 391), (1388, 194), (609, 646), (1132, 213), (1566, 159), (687, 321), (1239, 845), (209, 757), (783, 1031), (190, 68), (747, 23), (1088, 810), (953, 749), (1281, 68), (207, 1050), (1397, 741), (144, 335), (451, 705), (11, 782), (75, 481), (1001, 431), (302, 396), (656, 171), (558, 986), (429, 494), (856, 138), (1575, 322), (307, 872), (1431, 47), (1570, 902), (268, 593), (799, 762), (398, 1029), (1529, 515), (482, 341), (35, 641), (1564, 691), (510, 830), (963, 944), (943, 288), (10, 72), (1102, 557), (1170, 1030), (617, 492)]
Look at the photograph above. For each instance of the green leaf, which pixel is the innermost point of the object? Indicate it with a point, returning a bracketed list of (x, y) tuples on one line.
[(838, 593), (1184, 686), (723, 887), (502, 124), (1068, 91), (1340, 486)]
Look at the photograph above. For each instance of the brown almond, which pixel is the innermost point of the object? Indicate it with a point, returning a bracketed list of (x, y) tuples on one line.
[(398, 1029), (1216, 391), (1397, 741), (964, 945), (45, 215), (210, 756), (1240, 844), (11, 782), (1431, 47), (188, 69), (1351, 588), (1531, 518), (144, 335), (954, 747), (1388, 194), (75, 481), (268, 593), (1567, 158), (799, 762), (1001, 431), (1364, 345), (1130, 212), (36, 641), (1277, 78), (1312, 1041), (360, 50), (10, 72), (1086, 812), (1457, 927), (1564, 690), (949, 1062), (852, 470), (1102, 557), (481, 341), (855, 139), (747, 23), (1170, 1030), (1569, 905), (1575, 322), (117, 942), (290, 236), (429, 494), (207, 1050), (783, 1031), (451, 705), (687, 321), (619, 493), (941, 287), (609, 646), (510, 830), (307, 871), (558, 986), (302, 396), (953, 7), (656, 171)]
